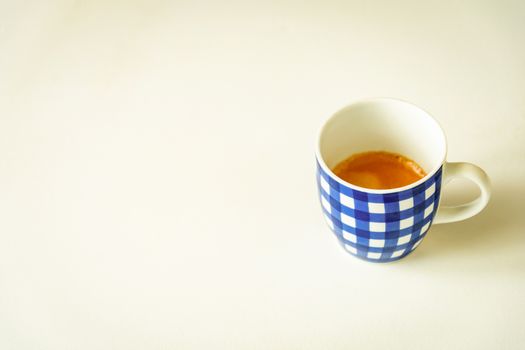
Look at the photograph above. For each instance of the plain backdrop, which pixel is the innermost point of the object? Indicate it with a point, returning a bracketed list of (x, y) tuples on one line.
[(157, 186)]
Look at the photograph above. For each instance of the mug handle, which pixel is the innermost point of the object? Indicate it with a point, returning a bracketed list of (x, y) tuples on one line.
[(464, 211)]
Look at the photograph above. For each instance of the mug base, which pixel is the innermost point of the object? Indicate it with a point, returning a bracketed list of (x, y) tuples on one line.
[(379, 260)]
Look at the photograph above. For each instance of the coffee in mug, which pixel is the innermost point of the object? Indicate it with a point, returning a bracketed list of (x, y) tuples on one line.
[(379, 170)]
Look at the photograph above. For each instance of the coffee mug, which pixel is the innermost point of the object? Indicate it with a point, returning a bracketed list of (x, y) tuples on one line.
[(386, 225)]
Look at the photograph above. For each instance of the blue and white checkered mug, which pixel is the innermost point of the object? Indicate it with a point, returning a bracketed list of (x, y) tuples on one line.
[(386, 225)]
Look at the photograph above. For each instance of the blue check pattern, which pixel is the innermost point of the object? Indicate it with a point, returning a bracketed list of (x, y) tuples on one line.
[(379, 227)]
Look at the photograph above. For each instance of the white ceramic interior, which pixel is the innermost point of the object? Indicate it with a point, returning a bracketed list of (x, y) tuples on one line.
[(382, 124)]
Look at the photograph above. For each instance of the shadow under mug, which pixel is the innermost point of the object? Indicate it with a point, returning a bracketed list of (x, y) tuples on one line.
[(386, 225)]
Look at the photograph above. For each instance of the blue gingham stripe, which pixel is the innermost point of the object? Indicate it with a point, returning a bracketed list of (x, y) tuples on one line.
[(379, 227)]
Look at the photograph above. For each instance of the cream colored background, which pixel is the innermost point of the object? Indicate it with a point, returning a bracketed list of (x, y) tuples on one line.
[(157, 174)]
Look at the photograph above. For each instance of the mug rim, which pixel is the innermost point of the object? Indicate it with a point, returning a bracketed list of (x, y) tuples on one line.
[(328, 171)]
